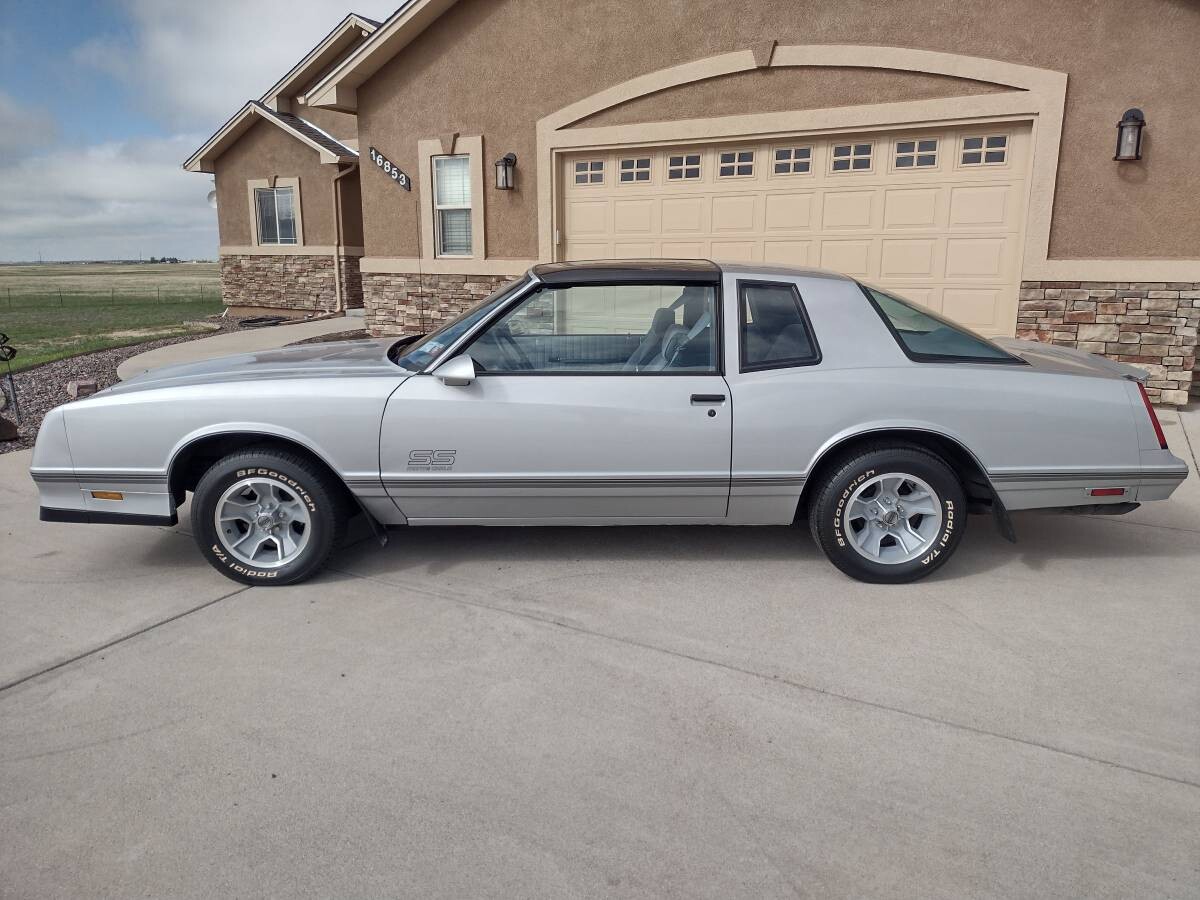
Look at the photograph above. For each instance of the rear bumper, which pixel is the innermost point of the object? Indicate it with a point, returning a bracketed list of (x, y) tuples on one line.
[(102, 517), (1042, 490)]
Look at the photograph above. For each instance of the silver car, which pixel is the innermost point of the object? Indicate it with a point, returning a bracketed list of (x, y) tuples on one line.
[(618, 393)]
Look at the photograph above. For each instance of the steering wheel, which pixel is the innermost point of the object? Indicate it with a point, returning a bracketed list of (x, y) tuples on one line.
[(512, 349)]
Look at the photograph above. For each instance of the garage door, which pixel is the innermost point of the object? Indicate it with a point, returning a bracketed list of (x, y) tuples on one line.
[(936, 216)]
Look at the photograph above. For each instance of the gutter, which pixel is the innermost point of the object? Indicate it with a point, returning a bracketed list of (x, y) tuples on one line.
[(339, 295)]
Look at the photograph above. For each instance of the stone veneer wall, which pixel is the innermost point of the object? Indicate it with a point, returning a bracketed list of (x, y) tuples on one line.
[(288, 281), (1149, 324), (413, 304)]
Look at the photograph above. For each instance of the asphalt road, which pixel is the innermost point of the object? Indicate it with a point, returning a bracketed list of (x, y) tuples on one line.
[(685, 712)]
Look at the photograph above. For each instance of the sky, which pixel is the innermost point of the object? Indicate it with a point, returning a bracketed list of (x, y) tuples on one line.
[(100, 103)]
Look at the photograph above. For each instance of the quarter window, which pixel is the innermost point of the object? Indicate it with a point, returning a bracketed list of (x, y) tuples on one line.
[(920, 154), (452, 205), (926, 337), (589, 171), (851, 157), (635, 170), (775, 332), (985, 150), (683, 167), (736, 163), (608, 329), (793, 160), (276, 211)]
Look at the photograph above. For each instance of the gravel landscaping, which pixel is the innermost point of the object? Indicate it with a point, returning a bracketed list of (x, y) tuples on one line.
[(41, 389)]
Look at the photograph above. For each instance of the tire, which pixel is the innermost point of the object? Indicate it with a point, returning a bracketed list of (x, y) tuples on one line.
[(270, 499), (873, 520)]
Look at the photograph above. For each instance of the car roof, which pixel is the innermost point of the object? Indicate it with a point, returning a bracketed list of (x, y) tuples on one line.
[(676, 271)]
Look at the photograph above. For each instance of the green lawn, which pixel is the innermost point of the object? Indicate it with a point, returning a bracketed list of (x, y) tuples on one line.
[(52, 312)]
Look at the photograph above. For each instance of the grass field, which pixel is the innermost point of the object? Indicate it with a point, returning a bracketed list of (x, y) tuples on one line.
[(54, 311)]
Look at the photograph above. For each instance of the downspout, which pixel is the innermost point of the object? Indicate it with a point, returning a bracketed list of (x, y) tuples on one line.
[(339, 296)]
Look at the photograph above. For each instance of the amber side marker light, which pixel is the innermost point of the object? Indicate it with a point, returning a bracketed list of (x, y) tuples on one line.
[(107, 495), (1158, 432)]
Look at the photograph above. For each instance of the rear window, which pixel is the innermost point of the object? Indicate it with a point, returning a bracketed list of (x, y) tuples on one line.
[(927, 337)]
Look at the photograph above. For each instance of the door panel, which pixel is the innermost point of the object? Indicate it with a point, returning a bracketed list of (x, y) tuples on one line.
[(539, 449)]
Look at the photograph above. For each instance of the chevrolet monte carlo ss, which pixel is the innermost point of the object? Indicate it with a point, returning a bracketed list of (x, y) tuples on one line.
[(618, 393)]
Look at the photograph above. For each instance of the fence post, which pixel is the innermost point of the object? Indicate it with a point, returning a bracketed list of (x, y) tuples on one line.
[(160, 295), (60, 300), (112, 296)]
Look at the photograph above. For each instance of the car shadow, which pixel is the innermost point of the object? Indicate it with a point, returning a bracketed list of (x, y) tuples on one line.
[(1041, 540)]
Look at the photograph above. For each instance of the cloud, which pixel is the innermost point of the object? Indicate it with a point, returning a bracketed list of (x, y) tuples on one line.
[(23, 130), (111, 200), (192, 65)]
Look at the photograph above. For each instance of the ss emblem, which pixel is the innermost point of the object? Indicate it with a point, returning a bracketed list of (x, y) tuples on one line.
[(431, 457)]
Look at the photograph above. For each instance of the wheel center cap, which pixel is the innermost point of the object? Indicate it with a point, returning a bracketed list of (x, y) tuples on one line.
[(891, 518), (265, 521)]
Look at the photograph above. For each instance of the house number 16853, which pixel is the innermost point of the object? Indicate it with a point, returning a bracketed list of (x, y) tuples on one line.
[(391, 170)]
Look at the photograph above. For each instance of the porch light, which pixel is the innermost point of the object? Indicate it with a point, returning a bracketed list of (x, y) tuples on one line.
[(506, 167), (1129, 135)]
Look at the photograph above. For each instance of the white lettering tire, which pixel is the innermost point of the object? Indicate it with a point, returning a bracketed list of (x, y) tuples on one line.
[(889, 513)]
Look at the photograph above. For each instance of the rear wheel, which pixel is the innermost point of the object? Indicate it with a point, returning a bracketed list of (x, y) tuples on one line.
[(889, 514), (265, 516)]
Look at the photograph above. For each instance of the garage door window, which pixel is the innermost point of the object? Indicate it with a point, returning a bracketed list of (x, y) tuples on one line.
[(920, 154), (793, 160), (635, 170), (683, 168), (589, 171), (851, 157), (775, 331), (604, 329), (926, 337), (985, 150), (736, 164)]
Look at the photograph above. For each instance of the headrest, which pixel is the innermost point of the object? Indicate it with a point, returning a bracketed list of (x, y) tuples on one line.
[(663, 319)]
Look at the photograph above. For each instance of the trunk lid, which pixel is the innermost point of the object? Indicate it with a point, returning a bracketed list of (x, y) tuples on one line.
[(1069, 361)]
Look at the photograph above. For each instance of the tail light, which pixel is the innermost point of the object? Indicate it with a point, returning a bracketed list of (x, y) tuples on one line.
[(1158, 432)]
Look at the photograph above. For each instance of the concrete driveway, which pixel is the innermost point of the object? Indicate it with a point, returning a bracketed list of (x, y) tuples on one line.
[(691, 712)]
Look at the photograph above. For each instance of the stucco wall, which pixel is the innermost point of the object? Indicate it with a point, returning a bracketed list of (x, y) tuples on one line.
[(263, 151), (778, 90), (343, 126), (493, 67)]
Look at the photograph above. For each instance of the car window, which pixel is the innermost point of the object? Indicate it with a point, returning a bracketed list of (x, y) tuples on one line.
[(775, 331), (597, 328), (927, 337), (421, 353)]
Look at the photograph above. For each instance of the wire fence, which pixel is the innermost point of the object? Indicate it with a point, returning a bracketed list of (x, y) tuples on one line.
[(19, 298)]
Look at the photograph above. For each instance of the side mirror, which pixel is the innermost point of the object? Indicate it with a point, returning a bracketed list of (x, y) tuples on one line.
[(458, 372)]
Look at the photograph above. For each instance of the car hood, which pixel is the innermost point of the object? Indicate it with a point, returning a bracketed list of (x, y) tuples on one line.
[(321, 360), (1068, 360)]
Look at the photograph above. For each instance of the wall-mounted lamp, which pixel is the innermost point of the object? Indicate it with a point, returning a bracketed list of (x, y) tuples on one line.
[(1129, 134), (506, 172)]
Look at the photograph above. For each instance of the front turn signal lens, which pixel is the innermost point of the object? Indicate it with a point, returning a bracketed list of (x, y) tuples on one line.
[(107, 495)]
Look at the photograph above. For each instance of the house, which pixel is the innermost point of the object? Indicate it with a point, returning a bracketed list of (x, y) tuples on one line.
[(960, 154), (287, 184)]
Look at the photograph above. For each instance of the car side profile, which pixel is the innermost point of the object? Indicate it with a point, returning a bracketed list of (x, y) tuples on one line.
[(615, 393)]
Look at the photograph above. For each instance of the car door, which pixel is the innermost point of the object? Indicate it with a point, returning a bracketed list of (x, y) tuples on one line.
[(590, 403)]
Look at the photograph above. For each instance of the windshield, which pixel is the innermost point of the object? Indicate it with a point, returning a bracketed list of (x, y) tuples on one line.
[(926, 336), (415, 354)]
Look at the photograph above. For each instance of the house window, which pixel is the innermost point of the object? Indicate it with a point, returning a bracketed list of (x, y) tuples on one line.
[(636, 169), (793, 160), (589, 171), (736, 164), (683, 167), (452, 205), (276, 210), (985, 150), (851, 157), (916, 154)]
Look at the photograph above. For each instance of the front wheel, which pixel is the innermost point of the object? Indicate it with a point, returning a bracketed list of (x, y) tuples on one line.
[(265, 516), (889, 514)]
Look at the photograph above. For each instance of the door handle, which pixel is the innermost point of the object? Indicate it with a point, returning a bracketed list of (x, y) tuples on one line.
[(703, 399)]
